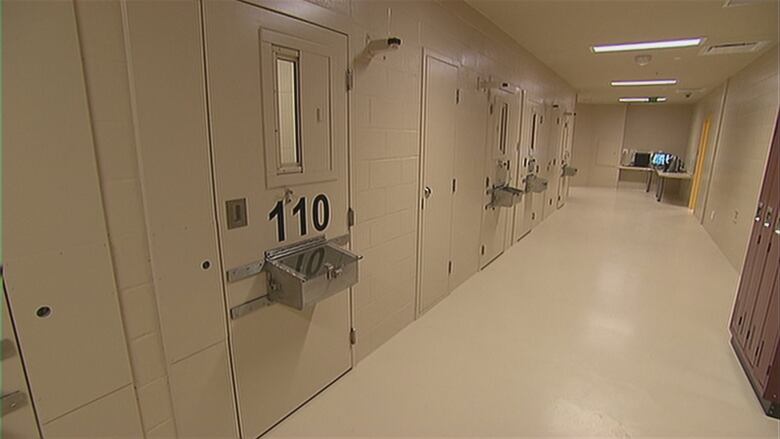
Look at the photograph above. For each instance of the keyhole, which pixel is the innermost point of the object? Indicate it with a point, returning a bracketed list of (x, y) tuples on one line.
[(43, 311), (206, 264)]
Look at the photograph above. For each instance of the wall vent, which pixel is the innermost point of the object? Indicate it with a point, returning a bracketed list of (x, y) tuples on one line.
[(734, 47)]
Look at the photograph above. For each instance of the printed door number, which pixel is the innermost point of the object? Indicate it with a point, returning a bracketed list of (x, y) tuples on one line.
[(320, 213)]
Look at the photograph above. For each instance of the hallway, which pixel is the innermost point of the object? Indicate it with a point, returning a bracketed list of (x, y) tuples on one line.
[(632, 341)]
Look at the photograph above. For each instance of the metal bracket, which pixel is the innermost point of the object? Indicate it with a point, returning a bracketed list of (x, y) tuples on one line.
[(247, 307), (12, 402), (245, 271)]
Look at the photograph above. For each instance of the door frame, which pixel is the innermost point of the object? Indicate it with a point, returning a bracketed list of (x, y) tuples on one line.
[(426, 52)]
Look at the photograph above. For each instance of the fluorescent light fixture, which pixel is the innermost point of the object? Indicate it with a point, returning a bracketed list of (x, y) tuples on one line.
[(642, 82), (647, 45), (646, 99)]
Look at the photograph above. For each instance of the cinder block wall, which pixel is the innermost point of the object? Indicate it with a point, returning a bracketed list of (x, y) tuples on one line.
[(101, 35)]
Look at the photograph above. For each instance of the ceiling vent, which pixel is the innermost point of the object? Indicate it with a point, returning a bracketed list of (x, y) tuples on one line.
[(735, 47), (732, 3)]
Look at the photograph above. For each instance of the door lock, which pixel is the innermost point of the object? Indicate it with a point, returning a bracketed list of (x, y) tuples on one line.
[(758, 210)]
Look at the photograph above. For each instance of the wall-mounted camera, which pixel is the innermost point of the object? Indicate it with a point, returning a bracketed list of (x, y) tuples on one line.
[(376, 47)]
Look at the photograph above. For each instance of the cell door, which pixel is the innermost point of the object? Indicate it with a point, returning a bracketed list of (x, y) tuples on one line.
[(529, 211), (552, 167), (565, 160), (278, 115), (438, 152), (528, 122), (501, 122)]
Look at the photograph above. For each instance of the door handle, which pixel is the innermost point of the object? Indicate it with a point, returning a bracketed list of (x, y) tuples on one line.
[(427, 192)]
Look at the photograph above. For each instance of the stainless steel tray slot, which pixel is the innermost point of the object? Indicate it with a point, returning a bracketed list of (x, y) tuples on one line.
[(535, 184), (569, 171), (505, 196), (309, 272)]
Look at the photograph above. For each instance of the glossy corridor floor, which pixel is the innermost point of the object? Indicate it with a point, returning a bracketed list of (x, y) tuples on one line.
[(608, 320)]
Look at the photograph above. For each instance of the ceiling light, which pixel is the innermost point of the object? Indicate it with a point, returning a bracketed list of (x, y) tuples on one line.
[(647, 45), (641, 82), (646, 99)]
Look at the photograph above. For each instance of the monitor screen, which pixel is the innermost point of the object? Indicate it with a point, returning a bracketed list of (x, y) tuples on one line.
[(661, 159), (642, 159)]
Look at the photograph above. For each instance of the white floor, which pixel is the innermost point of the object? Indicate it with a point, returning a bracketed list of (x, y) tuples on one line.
[(608, 320)]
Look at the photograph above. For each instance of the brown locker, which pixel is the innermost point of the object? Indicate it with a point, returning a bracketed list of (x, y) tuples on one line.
[(755, 323), (756, 257)]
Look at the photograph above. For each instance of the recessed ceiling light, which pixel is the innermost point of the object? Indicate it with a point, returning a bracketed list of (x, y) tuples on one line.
[(641, 82), (646, 99), (647, 45)]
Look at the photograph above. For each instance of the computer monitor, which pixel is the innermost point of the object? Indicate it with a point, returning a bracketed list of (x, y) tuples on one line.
[(661, 158), (641, 159)]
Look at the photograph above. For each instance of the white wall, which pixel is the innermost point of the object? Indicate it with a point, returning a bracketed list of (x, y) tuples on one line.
[(658, 127), (598, 137), (709, 107), (746, 130), (604, 131)]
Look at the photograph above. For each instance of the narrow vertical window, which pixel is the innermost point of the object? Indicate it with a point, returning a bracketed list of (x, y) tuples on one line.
[(503, 132), (287, 89), (533, 133)]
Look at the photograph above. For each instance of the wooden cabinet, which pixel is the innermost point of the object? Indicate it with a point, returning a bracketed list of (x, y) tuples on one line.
[(755, 322)]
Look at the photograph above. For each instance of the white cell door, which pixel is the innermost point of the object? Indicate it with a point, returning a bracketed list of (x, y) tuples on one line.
[(501, 121), (278, 115), (526, 215), (439, 115), (565, 159), (521, 226), (553, 171)]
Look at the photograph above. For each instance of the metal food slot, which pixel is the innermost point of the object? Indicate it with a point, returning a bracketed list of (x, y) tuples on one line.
[(535, 184), (308, 272), (505, 196), (569, 171)]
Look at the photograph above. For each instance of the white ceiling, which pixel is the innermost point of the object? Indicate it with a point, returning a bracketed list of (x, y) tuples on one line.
[(560, 33)]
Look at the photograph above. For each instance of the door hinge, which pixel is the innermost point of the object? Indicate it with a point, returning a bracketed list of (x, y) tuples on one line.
[(352, 336), (454, 185), (457, 96), (350, 80), (449, 267), (350, 217)]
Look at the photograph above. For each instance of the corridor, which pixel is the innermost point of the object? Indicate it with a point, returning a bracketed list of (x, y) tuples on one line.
[(631, 341)]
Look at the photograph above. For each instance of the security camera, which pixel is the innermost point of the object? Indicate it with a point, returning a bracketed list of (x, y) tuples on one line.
[(376, 47)]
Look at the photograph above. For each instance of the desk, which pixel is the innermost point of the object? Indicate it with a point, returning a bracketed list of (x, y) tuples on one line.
[(650, 171), (662, 177)]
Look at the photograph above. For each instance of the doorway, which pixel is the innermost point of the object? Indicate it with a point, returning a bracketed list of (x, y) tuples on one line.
[(437, 183)]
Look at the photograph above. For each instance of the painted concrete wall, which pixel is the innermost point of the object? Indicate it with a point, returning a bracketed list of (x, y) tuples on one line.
[(598, 137), (746, 130), (709, 107), (604, 132), (658, 128)]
